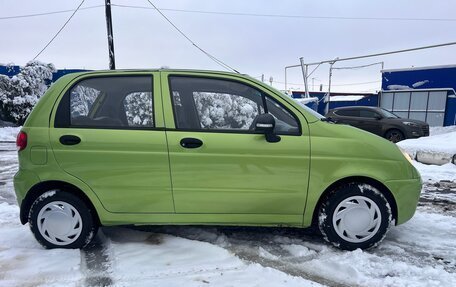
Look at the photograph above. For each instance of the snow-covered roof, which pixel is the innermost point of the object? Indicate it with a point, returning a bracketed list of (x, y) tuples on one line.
[(349, 98), (420, 68), (306, 100)]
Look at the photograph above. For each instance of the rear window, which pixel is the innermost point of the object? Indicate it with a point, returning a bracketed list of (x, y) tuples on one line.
[(108, 102)]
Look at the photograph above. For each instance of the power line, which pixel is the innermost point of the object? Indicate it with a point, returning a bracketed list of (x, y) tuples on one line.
[(48, 13), (226, 66), (357, 67), (60, 30), (354, 84), (292, 16), (240, 14)]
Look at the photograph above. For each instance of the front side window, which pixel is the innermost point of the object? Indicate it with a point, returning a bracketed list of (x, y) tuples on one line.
[(368, 114), (214, 104), (225, 111), (108, 102), (347, 113)]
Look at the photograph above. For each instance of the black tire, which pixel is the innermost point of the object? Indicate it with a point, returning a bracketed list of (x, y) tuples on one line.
[(62, 214), (356, 227), (394, 135)]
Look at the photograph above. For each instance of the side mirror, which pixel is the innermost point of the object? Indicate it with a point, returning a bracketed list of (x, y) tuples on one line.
[(378, 117), (265, 123)]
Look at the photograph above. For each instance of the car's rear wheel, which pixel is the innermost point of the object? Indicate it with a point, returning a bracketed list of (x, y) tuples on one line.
[(394, 135), (355, 216), (59, 219)]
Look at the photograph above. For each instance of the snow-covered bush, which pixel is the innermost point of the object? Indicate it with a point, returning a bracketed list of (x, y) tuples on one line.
[(82, 99), (138, 107), (21, 92), (225, 111)]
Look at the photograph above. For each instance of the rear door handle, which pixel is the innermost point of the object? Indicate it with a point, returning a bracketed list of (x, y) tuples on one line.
[(69, 140), (190, 143)]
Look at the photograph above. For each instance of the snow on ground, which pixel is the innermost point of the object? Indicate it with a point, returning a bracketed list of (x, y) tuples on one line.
[(433, 173), (441, 139), (421, 252), (24, 262), (9, 133)]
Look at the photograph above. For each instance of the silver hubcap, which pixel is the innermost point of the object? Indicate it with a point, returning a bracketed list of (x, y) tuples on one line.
[(357, 219), (59, 223)]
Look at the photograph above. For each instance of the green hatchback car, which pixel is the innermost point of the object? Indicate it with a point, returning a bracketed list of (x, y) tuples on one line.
[(166, 147)]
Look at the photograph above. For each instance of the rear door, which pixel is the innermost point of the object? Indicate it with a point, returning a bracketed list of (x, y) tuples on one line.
[(108, 132), (219, 165)]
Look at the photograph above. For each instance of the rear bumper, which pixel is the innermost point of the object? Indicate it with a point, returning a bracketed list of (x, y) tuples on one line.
[(407, 194), (24, 180)]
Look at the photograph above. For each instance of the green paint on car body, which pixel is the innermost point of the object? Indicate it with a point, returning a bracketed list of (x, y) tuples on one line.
[(145, 176)]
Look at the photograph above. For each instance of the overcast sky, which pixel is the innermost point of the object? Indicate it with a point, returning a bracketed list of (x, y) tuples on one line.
[(252, 45)]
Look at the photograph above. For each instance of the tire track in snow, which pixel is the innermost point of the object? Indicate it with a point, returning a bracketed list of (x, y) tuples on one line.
[(95, 262), (246, 243)]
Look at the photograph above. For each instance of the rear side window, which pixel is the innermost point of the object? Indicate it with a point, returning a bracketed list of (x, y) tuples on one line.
[(347, 113), (223, 105), (108, 102)]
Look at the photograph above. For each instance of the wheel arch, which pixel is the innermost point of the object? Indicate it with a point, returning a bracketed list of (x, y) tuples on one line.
[(356, 179), (44, 186), (390, 128)]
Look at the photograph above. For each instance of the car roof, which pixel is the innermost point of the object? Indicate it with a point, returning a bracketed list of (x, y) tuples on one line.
[(160, 70), (356, 108)]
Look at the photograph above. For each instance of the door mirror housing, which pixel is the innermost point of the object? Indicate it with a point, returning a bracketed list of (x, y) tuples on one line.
[(265, 123), (378, 117)]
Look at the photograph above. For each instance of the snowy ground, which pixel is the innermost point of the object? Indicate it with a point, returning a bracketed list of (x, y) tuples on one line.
[(8, 133), (421, 252)]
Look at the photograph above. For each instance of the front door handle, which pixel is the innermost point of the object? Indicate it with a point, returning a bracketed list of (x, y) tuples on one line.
[(69, 140), (190, 143)]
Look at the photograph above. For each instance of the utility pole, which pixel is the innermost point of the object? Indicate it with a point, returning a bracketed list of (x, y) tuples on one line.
[(112, 60), (305, 71), (328, 95)]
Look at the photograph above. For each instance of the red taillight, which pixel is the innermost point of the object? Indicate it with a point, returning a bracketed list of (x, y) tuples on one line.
[(21, 141)]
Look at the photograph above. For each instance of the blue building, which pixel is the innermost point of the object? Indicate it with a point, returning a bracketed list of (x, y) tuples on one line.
[(338, 100), (426, 93), (14, 70)]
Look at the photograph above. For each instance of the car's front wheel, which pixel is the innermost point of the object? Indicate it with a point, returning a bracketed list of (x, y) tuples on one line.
[(394, 135), (59, 219), (355, 216)]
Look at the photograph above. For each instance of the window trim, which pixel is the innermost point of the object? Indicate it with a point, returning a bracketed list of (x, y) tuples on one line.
[(263, 99), (62, 116)]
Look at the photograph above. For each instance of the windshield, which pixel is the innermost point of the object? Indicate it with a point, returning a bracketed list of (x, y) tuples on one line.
[(311, 111), (388, 114)]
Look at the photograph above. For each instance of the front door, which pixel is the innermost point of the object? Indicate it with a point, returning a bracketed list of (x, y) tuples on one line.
[(107, 133), (370, 121), (219, 165)]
